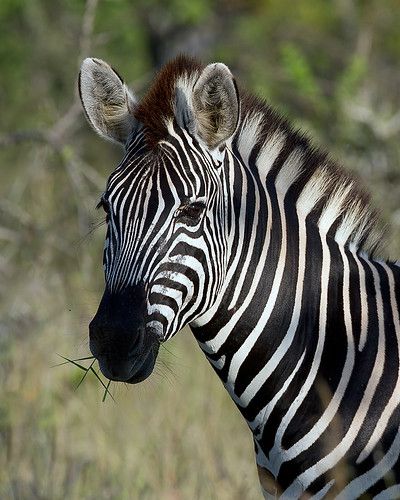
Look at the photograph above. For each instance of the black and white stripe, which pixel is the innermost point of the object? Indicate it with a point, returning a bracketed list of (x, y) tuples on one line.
[(145, 196), (303, 348), (264, 247)]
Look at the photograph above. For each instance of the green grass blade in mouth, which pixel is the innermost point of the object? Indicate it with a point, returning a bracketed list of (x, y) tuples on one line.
[(103, 384), (107, 392), (84, 375), (87, 370), (70, 361)]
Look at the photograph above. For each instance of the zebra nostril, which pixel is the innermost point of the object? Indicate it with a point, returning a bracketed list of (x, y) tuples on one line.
[(115, 338)]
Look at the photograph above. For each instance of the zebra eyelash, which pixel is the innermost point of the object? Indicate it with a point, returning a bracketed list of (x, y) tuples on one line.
[(104, 205), (190, 211)]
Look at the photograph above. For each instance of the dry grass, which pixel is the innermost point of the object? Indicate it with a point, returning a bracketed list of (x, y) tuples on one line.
[(176, 436)]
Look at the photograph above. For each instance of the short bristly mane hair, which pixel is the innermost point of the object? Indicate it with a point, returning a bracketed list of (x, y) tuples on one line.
[(319, 179), (157, 108)]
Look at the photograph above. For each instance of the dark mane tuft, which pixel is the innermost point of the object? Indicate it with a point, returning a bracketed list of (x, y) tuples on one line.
[(157, 106)]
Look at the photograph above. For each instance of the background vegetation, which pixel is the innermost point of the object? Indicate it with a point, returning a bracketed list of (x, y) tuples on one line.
[(332, 66)]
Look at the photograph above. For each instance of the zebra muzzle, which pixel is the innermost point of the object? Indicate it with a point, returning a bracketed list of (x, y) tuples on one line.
[(124, 348)]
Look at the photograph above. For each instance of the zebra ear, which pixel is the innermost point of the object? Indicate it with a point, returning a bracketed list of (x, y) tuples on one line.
[(107, 101), (215, 102)]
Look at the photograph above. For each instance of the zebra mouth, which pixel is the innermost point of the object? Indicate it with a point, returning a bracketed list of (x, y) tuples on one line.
[(145, 369), (129, 370)]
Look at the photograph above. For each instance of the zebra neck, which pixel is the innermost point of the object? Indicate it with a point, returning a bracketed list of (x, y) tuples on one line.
[(300, 312), (292, 343)]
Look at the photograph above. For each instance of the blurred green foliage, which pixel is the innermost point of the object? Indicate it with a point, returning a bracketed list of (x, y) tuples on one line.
[(331, 66)]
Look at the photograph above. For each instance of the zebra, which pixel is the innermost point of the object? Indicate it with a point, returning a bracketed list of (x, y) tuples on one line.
[(224, 217)]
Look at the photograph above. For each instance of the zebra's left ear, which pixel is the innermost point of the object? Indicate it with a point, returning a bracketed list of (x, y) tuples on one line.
[(106, 100), (215, 102)]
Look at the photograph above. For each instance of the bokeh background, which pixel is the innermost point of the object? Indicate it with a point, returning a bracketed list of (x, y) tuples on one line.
[(331, 66)]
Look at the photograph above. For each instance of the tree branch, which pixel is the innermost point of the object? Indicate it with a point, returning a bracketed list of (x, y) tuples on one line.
[(56, 135), (23, 136)]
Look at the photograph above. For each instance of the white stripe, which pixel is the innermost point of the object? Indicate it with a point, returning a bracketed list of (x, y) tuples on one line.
[(162, 309), (321, 494), (259, 380), (333, 208), (270, 152), (389, 494), (313, 191), (171, 293), (248, 135), (157, 326), (363, 301)]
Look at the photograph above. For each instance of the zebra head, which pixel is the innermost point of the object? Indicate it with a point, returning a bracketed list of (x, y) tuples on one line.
[(166, 204)]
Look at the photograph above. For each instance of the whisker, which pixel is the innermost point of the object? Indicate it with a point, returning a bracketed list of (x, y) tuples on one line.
[(176, 362), (161, 373), (168, 351), (167, 366), (93, 228)]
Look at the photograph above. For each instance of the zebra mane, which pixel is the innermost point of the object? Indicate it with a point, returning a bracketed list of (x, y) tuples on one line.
[(323, 186), (158, 107)]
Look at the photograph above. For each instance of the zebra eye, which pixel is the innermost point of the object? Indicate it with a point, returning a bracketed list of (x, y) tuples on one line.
[(190, 212), (103, 203)]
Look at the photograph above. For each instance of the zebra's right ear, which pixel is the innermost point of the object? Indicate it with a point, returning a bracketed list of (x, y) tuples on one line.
[(215, 102), (107, 101)]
